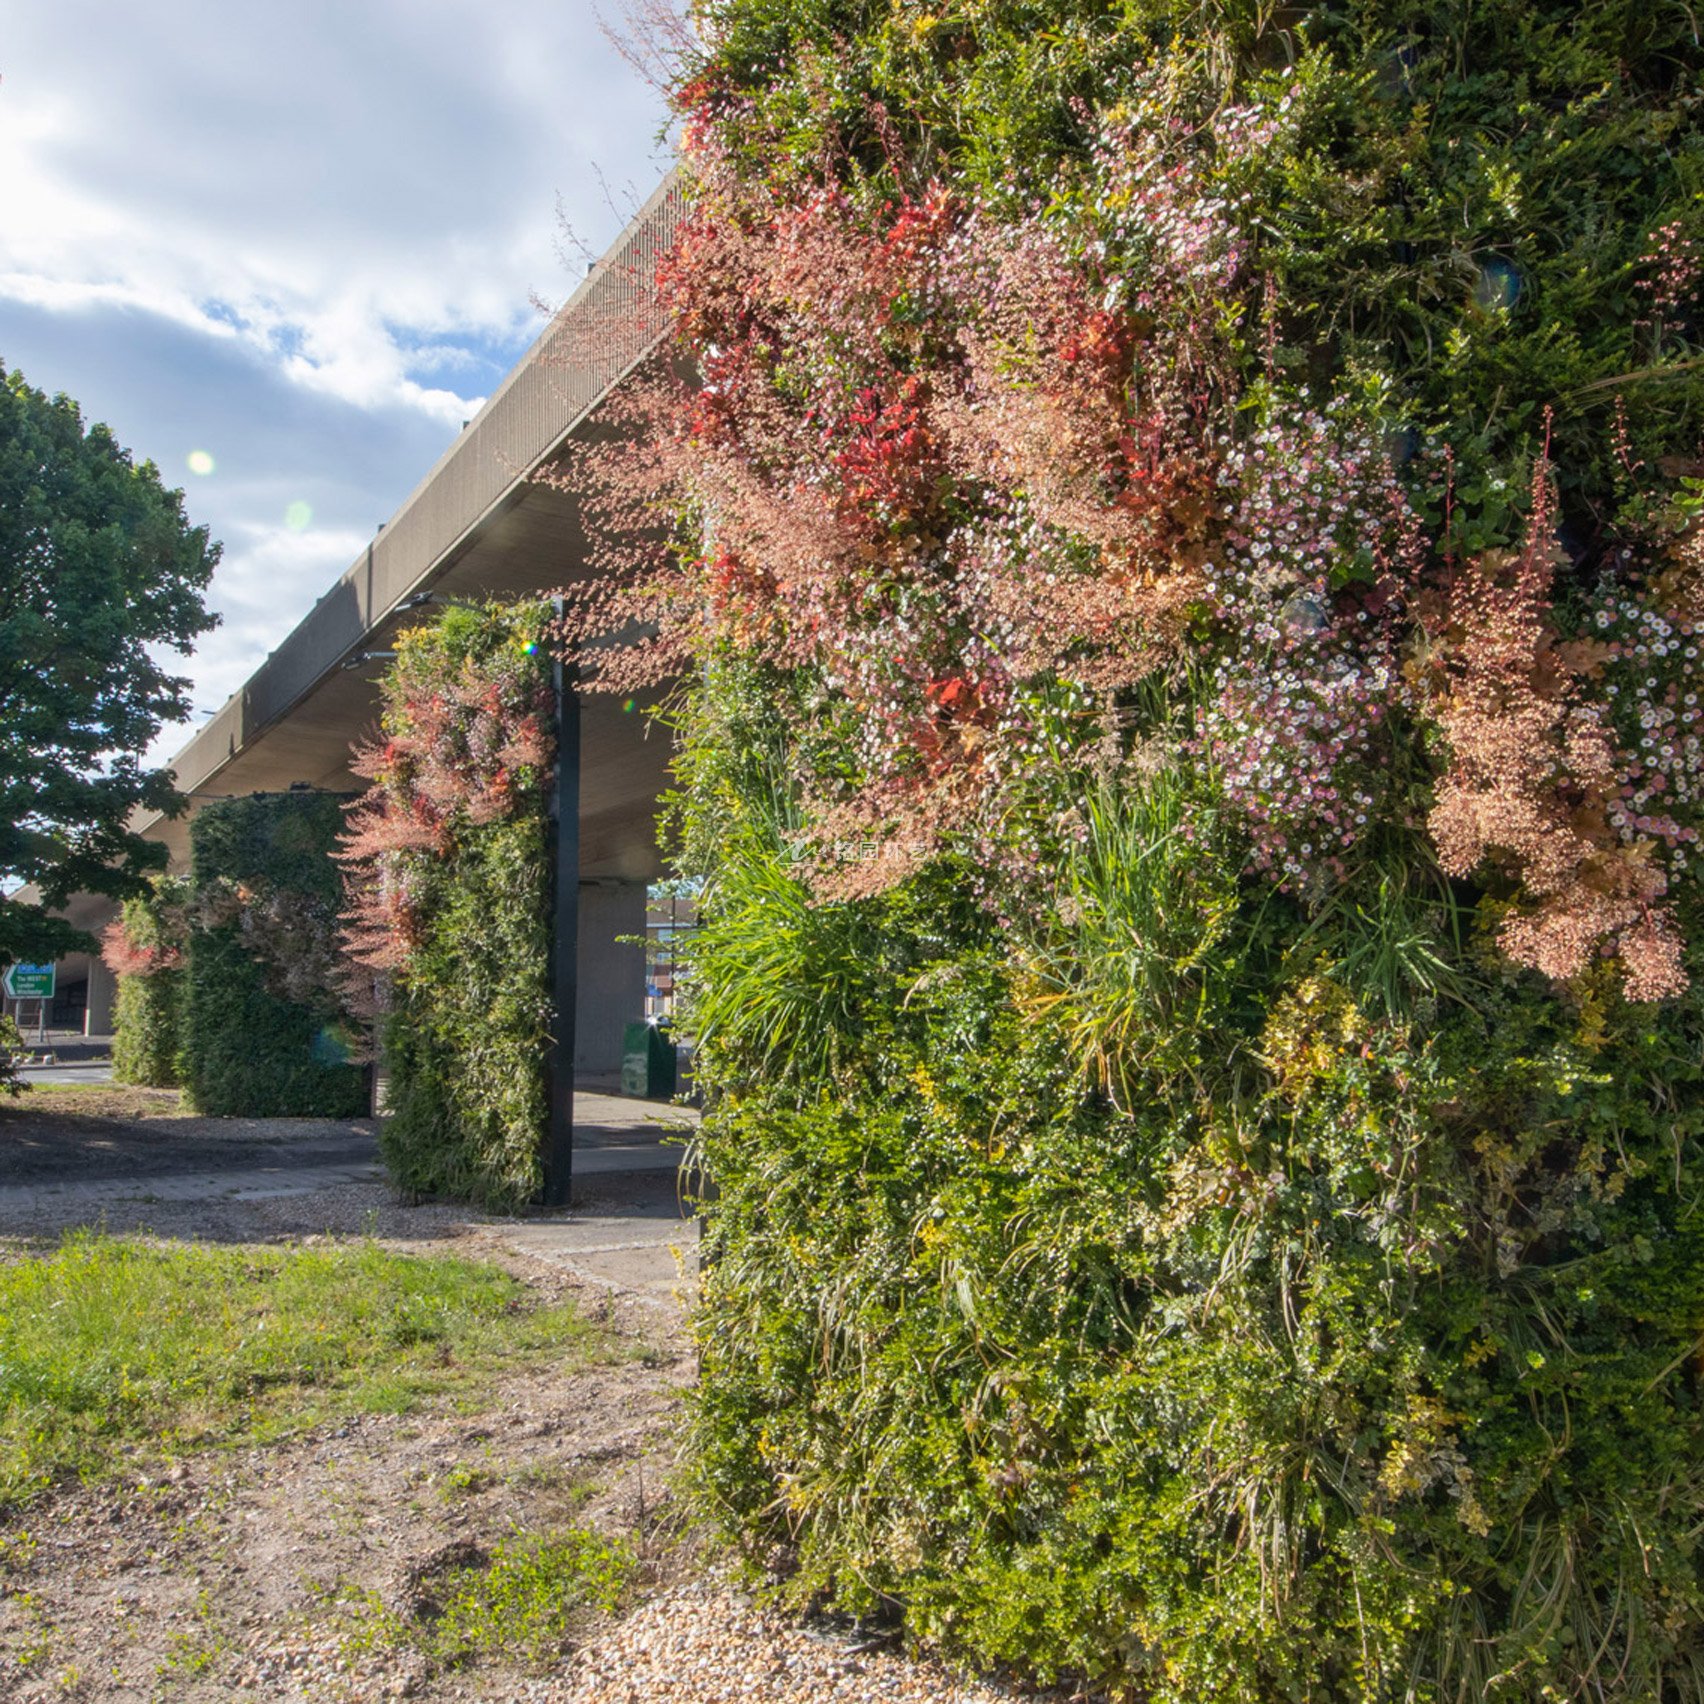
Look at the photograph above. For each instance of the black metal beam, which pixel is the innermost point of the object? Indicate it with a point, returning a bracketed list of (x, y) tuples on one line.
[(565, 937)]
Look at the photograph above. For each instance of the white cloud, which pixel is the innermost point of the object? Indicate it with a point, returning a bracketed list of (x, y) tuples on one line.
[(302, 240), (321, 176)]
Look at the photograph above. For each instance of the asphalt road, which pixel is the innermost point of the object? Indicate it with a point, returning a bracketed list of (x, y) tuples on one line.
[(52, 1148), (611, 1135)]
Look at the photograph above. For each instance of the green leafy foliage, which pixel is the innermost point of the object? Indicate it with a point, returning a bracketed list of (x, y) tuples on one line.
[(265, 1030), (449, 876), (100, 572), (146, 951), (147, 1026), (466, 1034), (527, 1598), (12, 1055), (521, 1602), (1176, 1319)]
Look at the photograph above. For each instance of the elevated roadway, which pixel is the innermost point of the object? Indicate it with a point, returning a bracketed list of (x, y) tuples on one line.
[(479, 525)]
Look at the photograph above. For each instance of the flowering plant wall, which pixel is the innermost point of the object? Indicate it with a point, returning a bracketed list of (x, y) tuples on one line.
[(145, 947), (962, 462), (1206, 501), (267, 1028), (447, 891)]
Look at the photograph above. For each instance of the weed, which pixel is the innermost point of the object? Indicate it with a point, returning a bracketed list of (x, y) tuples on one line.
[(524, 1602), (465, 1480), (521, 1601)]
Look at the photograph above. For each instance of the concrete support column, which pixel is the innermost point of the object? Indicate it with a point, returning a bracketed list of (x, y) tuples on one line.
[(612, 974), (103, 993)]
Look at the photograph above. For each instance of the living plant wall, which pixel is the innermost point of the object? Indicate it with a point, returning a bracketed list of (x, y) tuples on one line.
[(1186, 544), (145, 949), (447, 860), (13, 1053), (267, 1023)]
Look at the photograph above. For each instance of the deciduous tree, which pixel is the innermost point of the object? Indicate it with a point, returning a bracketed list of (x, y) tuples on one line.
[(102, 579)]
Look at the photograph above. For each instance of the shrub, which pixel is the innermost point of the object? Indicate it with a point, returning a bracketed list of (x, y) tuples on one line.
[(145, 950), (266, 1030), (1190, 565), (449, 886), (12, 1055)]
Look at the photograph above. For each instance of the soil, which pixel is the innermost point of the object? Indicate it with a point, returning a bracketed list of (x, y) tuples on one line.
[(238, 1574)]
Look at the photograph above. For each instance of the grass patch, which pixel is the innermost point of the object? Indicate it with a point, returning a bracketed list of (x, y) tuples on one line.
[(113, 1345), (521, 1602), (96, 1100)]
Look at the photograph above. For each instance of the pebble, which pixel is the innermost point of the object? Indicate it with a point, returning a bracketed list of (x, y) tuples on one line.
[(706, 1645)]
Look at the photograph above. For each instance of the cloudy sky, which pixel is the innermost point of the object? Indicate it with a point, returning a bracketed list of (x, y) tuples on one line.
[(285, 252)]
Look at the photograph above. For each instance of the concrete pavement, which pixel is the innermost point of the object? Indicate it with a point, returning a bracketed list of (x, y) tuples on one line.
[(630, 1229)]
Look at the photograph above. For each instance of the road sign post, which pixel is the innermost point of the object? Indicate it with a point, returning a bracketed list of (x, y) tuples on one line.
[(32, 982)]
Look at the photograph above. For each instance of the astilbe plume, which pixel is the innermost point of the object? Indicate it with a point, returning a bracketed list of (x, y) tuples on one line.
[(934, 459), (126, 955), (151, 932), (1534, 775), (462, 741)]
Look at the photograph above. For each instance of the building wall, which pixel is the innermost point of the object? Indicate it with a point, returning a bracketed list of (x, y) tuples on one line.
[(612, 974)]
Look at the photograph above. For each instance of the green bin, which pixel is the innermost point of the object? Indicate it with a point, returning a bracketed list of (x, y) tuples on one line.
[(648, 1062)]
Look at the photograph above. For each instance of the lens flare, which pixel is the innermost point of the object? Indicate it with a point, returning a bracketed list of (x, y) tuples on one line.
[(199, 462), (332, 1046), (1498, 287), (298, 516)]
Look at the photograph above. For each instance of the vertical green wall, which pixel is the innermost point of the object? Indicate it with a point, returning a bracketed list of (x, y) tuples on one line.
[(263, 1035)]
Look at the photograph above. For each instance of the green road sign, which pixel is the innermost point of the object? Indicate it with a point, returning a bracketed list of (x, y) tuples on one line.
[(30, 981)]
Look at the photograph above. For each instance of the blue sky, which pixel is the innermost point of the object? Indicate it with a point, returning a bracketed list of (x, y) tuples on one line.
[(300, 243)]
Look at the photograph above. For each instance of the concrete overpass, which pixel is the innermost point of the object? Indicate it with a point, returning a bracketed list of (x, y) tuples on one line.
[(479, 525)]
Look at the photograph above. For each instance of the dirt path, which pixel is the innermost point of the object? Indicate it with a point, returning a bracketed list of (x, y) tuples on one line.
[(271, 1573), (254, 1574)]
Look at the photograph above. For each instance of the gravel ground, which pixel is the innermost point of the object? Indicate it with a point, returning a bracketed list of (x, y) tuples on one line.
[(699, 1644)]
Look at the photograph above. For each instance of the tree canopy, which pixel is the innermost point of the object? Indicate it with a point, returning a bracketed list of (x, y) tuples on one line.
[(101, 578)]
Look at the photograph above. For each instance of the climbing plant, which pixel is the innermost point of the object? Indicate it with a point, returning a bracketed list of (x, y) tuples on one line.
[(1182, 527), (448, 881)]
